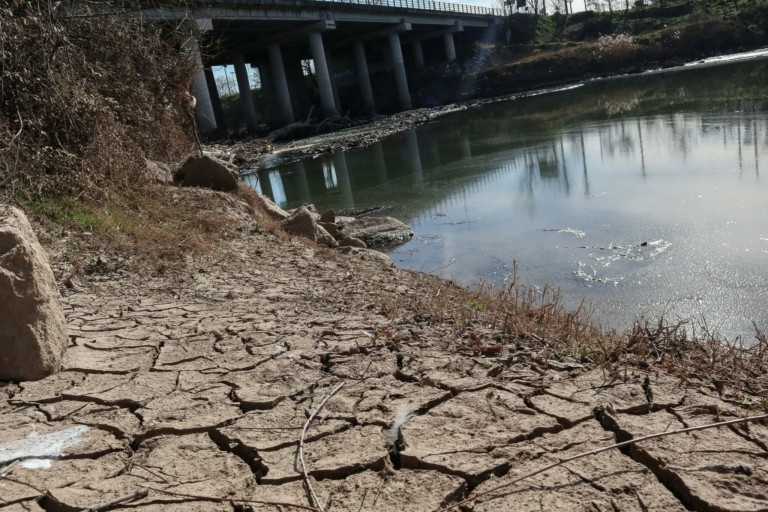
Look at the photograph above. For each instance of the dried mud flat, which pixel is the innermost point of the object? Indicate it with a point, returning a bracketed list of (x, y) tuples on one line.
[(196, 387)]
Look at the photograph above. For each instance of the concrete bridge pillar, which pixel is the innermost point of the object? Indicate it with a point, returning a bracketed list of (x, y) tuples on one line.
[(398, 66), (298, 88), (418, 55), (450, 48), (364, 79), (332, 75), (327, 102), (282, 95), (213, 92), (268, 92), (204, 116), (246, 97)]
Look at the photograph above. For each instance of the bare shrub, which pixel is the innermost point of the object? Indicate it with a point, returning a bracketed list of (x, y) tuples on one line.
[(615, 48), (84, 95)]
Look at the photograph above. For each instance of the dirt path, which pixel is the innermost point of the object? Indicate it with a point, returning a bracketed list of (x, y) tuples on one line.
[(197, 387)]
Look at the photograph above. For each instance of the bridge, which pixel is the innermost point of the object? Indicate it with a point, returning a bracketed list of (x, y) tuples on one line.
[(365, 47)]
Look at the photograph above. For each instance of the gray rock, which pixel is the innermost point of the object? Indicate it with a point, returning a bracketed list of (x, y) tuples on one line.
[(208, 172), (352, 242), (328, 216), (377, 231), (368, 254), (159, 172), (330, 227), (302, 222), (33, 331), (325, 238), (267, 206)]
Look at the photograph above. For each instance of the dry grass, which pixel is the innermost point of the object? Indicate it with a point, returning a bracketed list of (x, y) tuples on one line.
[(524, 320), (84, 96)]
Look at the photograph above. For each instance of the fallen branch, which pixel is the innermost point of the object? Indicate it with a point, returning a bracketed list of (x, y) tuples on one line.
[(313, 496), (235, 500), (287, 130), (603, 449), (135, 495)]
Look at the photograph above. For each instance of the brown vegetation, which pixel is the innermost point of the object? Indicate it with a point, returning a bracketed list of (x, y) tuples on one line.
[(85, 95), (525, 320)]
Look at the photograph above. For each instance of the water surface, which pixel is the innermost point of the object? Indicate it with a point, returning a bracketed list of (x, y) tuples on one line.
[(642, 195)]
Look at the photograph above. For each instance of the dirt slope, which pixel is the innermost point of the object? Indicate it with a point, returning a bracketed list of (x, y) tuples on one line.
[(196, 387)]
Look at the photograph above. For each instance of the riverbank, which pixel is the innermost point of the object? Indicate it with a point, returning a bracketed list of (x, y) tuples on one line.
[(206, 346), (195, 385)]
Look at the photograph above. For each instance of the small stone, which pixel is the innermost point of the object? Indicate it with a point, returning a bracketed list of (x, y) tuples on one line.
[(328, 216)]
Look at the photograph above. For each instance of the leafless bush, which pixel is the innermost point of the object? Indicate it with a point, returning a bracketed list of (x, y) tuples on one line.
[(614, 48), (86, 91)]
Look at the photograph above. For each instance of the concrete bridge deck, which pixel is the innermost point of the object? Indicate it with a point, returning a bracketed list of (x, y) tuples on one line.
[(341, 39)]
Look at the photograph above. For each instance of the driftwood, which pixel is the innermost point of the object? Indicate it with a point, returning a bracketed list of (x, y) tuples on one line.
[(135, 495), (301, 127), (287, 130)]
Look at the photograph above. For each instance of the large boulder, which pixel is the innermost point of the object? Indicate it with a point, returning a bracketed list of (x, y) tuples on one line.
[(33, 330), (376, 231), (302, 222), (206, 171)]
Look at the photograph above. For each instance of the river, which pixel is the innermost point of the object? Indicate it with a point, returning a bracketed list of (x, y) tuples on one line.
[(643, 195)]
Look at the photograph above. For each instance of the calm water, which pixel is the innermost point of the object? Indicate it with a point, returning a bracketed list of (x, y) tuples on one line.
[(642, 195)]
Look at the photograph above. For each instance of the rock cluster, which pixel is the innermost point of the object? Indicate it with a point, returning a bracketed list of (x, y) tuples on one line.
[(331, 231), (33, 333)]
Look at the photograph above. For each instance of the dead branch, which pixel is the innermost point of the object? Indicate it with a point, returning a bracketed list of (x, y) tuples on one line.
[(603, 449), (287, 130), (235, 500), (313, 496), (135, 495)]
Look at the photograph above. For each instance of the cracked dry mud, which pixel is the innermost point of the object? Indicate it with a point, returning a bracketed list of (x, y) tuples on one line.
[(197, 389)]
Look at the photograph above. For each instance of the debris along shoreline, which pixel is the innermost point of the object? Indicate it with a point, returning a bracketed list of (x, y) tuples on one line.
[(199, 386)]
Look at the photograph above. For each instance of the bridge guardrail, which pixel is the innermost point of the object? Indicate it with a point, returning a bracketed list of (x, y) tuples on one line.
[(421, 5), (424, 5)]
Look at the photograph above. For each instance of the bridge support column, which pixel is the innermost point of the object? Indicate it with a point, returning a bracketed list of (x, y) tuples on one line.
[(364, 79), (327, 102), (332, 76), (268, 93), (246, 97), (418, 54), (213, 92), (282, 95), (206, 120), (298, 87), (401, 81), (450, 48)]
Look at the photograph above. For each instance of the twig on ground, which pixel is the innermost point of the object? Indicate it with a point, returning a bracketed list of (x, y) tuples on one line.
[(313, 496), (235, 500), (25, 484), (603, 449), (7, 469), (135, 495)]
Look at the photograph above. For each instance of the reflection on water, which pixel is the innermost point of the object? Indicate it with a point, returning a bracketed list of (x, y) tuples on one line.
[(643, 195)]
